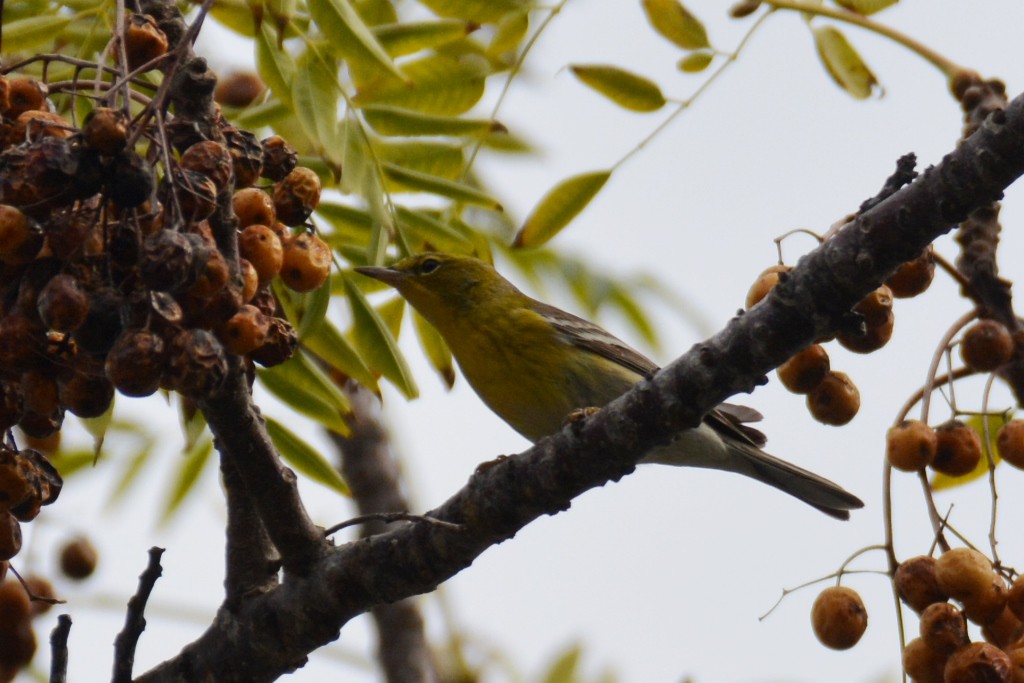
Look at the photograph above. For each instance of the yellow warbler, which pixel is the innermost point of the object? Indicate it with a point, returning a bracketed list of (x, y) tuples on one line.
[(534, 364)]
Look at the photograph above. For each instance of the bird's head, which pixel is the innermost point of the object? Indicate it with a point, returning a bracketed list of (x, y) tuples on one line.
[(444, 286)]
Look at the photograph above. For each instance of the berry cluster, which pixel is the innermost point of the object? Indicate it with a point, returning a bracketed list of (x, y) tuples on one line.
[(832, 397), (944, 653)]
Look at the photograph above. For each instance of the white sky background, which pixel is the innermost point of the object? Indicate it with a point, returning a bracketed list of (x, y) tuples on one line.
[(664, 574)]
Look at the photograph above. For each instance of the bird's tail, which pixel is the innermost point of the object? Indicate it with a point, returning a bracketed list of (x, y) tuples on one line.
[(813, 489)]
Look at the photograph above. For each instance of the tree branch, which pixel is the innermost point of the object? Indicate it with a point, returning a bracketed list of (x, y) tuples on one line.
[(270, 634)]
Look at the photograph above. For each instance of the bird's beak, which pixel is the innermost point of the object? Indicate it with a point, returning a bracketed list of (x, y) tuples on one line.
[(388, 276)]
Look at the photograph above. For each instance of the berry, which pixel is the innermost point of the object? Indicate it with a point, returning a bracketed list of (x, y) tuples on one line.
[(136, 362), (764, 283), (260, 246), (143, 40), (105, 130), (916, 583), (253, 205), (245, 331), (78, 559), (297, 196), (62, 305), (1010, 442), (10, 535), (876, 311), (306, 262), (839, 618), (804, 371), (958, 449), (239, 89), (943, 627), (978, 663), (24, 94), (910, 445), (211, 159), (923, 664), (279, 158), (986, 345), (835, 401), (963, 573), (913, 277)]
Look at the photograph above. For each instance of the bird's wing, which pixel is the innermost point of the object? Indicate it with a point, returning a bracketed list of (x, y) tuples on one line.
[(587, 335)]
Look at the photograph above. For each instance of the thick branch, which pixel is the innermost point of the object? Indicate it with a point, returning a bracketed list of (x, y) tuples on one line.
[(271, 633)]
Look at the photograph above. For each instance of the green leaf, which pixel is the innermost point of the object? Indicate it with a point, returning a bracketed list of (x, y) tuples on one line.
[(314, 309), (237, 15), (396, 121), (98, 426), (189, 468), (676, 23), (31, 32), (315, 99), (435, 348), (350, 225), (375, 342), (565, 668), (350, 37), (696, 62), (275, 65), (508, 37), (331, 347), (412, 36), (304, 458), (404, 179), (440, 84), (844, 63), (559, 206), (625, 89), (303, 386), (430, 157), (941, 482), (865, 7), (482, 11), (428, 230), (70, 462)]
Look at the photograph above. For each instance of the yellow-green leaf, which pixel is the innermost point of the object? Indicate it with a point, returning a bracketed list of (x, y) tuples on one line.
[(559, 206), (435, 348), (482, 11), (865, 7), (844, 63), (350, 225), (440, 84), (408, 37), (676, 23), (315, 97), (397, 121), (31, 32), (404, 179), (237, 15), (350, 37), (190, 466), (303, 386), (431, 157), (331, 346), (509, 34), (376, 344), (276, 66), (625, 89), (565, 667), (976, 422), (696, 62), (303, 457), (362, 176), (429, 230)]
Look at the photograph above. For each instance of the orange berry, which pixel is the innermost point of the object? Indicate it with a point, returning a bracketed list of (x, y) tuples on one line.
[(835, 401), (839, 618), (958, 449), (306, 262), (297, 196), (916, 583), (764, 283), (910, 445), (943, 627), (143, 40), (253, 205), (239, 89), (913, 277), (1010, 443), (923, 664), (261, 247), (963, 573), (978, 663), (805, 370), (986, 345)]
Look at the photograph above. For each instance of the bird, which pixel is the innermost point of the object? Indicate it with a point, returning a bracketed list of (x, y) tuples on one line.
[(534, 365)]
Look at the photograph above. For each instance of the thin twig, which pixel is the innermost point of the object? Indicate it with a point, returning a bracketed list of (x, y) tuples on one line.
[(391, 518), (135, 620), (59, 649)]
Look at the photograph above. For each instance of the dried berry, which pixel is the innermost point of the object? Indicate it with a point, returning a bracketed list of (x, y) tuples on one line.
[(143, 40), (136, 362), (211, 159), (1010, 443), (239, 89), (804, 371), (245, 331), (913, 277), (10, 535), (20, 237), (279, 158), (260, 246), (197, 364), (943, 627), (252, 205), (978, 663), (62, 305), (24, 94), (297, 196), (282, 340), (105, 130), (130, 181), (246, 155), (963, 573), (923, 664)]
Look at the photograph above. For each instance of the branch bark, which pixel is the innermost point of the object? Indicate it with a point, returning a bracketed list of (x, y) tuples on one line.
[(271, 633)]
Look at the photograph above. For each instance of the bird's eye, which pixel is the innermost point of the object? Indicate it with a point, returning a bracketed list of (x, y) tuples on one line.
[(429, 266)]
